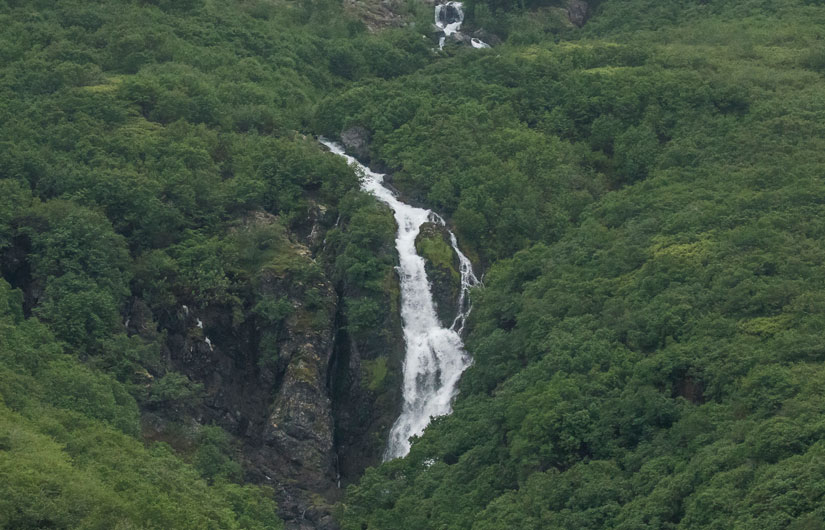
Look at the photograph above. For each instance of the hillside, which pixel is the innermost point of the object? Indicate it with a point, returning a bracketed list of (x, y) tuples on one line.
[(647, 346), (199, 309), (183, 268)]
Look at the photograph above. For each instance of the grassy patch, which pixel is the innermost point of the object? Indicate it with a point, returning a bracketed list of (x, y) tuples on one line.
[(439, 253), (374, 373)]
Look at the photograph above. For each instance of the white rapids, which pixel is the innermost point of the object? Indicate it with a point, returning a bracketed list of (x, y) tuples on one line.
[(449, 27), (448, 17), (435, 356)]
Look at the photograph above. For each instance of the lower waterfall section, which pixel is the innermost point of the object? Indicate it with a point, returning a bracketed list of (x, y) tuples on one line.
[(435, 356)]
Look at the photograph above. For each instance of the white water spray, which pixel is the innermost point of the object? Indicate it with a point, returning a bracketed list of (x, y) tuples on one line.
[(435, 356), (449, 17)]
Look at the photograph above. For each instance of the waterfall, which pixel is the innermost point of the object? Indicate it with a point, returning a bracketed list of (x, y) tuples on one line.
[(449, 17), (435, 356)]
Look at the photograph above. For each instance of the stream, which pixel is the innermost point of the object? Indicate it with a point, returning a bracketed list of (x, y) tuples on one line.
[(435, 356)]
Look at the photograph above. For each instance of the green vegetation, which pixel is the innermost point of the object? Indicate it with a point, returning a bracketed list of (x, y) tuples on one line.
[(364, 260), (647, 344), (643, 194), (69, 456), (375, 373), (433, 248), (150, 159)]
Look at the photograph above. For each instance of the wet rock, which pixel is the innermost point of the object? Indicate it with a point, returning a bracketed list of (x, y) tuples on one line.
[(377, 14), (265, 379), (578, 12), (139, 320), (449, 14), (442, 266), (356, 140), (459, 38), (298, 433), (485, 36), (367, 376), (310, 228)]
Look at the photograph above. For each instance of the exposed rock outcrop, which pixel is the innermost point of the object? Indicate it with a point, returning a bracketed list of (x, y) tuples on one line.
[(356, 140), (449, 14), (309, 403), (367, 398), (459, 38), (378, 14), (299, 429), (578, 11), (265, 376), (442, 266), (490, 38), (367, 374), (449, 17)]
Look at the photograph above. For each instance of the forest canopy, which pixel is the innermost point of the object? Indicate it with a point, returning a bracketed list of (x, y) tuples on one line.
[(643, 195), (646, 346)]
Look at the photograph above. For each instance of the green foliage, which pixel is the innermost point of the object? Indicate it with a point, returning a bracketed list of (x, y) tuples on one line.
[(438, 252), (98, 478), (174, 389), (645, 346), (363, 315), (81, 262), (643, 194), (273, 310), (69, 458), (79, 312), (150, 158), (375, 373), (213, 458), (363, 246), (69, 385)]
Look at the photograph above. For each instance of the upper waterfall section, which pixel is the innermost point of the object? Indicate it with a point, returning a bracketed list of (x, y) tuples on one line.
[(435, 356), (448, 18)]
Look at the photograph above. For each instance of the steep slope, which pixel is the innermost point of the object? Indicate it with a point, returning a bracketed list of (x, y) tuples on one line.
[(208, 272), (199, 309), (647, 194)]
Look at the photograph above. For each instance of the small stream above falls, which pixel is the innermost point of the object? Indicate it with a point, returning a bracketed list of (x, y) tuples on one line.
[(448, 18), (435, 356)]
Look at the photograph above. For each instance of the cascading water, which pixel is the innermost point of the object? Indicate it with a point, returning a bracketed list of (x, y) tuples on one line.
[(449, 17), (435, 356)]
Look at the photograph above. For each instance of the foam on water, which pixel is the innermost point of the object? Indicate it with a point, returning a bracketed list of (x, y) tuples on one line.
[(435, 356), (452, 24)]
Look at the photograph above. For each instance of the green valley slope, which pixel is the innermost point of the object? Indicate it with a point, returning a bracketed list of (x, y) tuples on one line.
[(647, 345)]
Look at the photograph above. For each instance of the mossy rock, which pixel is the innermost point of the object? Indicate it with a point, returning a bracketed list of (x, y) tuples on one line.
[(374, 373), (442, 266)]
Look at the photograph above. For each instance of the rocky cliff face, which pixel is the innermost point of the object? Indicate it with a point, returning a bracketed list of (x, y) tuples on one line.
[(379, 14), (298, 435), (356, 140), (309, 403), (578, 11), (266, 380), (366, 389)]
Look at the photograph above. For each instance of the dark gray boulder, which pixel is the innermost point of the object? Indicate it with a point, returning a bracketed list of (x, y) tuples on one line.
[(442, 266), (449, 14), (356, 140), (578, 11), (484, 35)]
